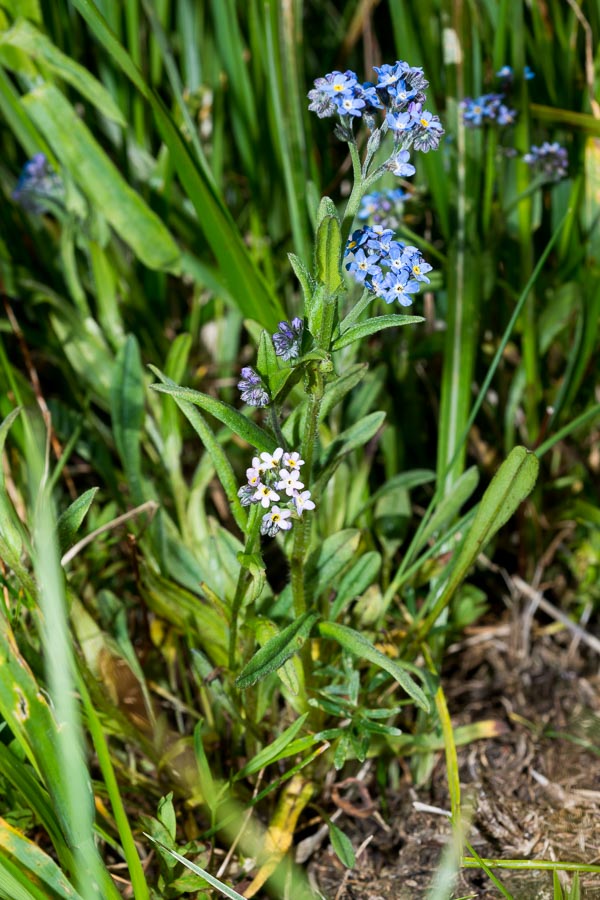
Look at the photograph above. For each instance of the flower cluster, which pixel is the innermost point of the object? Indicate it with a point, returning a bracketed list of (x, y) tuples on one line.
[(549, 160), (383, 207), (270, 473), (487, 108), (253, 391), (287, 340), (388, 268), (399, 93), (38, 188)]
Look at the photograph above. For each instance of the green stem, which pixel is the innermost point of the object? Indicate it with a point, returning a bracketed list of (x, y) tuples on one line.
[(489, 180), (358, 189), (242, 582), (277, 427), (302, 532)]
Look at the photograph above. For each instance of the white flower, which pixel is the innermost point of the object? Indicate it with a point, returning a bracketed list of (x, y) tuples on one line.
[(276, 520), (271, 460), (253, 476), (292, 460), (289, 482), (303, 501), (265, 495)]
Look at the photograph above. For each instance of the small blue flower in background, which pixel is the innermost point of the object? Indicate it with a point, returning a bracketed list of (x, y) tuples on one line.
[(528, 73), (288, 339), (383, 207), (505, 73), (486, 108), (253, 391), (549, 160), (38, 188)]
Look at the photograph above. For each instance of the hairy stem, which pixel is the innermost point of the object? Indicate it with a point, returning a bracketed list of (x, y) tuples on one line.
[(242, 582)]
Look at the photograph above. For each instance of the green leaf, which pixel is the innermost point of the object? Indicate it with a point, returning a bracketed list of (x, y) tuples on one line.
[(513, 481), (214, 882), (449, 507), (10, 526), (266, 358), (327, 254), (99, 179), (405, 480), (69, 522), (372, 326), (330, 558), (228, 415), (342, 845), (244, 282), (361, 647), (36, 874), (38, 46), (273, 751), (307, 282), (326, 208), (166, 814), (127, 412), (350, 439), (276, 651), (356, 580)]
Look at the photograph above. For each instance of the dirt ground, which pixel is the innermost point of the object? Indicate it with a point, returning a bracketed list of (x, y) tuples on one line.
[(534, 787)]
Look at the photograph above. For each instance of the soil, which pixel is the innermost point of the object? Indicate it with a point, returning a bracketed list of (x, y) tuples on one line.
[(533, 787)]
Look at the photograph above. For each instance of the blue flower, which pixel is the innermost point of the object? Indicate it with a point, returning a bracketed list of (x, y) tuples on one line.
[(340, 83), (528, 73), (401, 93), (253, 391), (380, 240), (399, 286), (38, 188), (350, 106), (429, 132), (506, 73), (549, 160), (288, 339), (362, 266), (399, 165), (399, 122), (391, 270), (487, 108), (388, 75), (368, 93)]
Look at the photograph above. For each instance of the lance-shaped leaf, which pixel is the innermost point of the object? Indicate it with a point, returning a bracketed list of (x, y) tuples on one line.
[(27, 872), (276, 651), (235, 420), (372, 326), (513, 481), (127, 412), (356, 435), (99, 179), (38, 46), (361, 647), (70, 520), (327, 254), (362, 574)]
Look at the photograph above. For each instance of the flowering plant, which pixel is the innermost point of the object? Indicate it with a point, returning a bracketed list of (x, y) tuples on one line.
[(296, 380)]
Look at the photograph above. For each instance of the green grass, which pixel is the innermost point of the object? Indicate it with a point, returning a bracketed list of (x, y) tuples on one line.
[(152, 672)]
